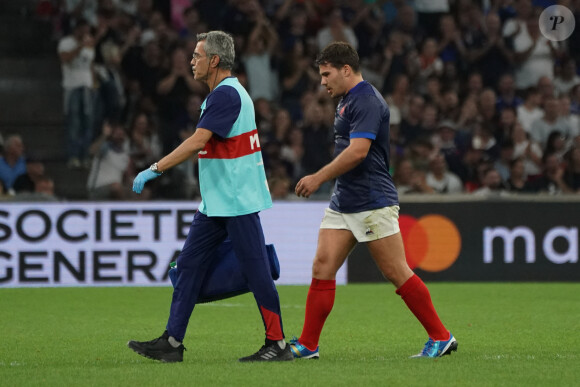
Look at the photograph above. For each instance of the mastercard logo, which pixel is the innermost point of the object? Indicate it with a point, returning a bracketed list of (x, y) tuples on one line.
[(432, 242)]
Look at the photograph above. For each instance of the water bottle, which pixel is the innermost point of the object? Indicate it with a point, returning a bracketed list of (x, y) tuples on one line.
[(173, 272)]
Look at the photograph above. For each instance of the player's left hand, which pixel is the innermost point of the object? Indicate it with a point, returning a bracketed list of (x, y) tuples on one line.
[(142, 178), (307, 186)]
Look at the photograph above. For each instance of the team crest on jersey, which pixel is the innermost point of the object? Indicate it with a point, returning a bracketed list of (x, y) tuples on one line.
[(341, 111)]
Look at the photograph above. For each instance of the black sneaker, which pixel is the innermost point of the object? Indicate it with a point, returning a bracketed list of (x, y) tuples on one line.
[(270, 351), (158, 349)]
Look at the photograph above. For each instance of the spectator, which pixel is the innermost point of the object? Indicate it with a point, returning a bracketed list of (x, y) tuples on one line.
[(43, 191), (76, 53), (487, 106), (516, 181), (503, 164), (12, 162), (429, 120), (567, 77), (280, 188), (572, 169), (488, 52), (400, 95), (491, 184), (428, 64), (27, 181), (429, 13), (281, 126), (534, 55), (474, 86), (419, 153), (257, 60), (292, 152), (551, 181), (145, 143), (575, 100), (551, 121), (167, 37), (440, 179), (449, 108), (407, 24), (556, 144), (433, 91), (411, 127), (336, 31), (109, 177), (527, 150), (484, 140), (110, 97), (507, 97), (366, 20), (448, 140), (318, 140), (264, 116), (394, 61), (142, 64), (450, 47), (518, 24), (572, 119), (468, 115), (530, 111), (292, 23), (174, 88), (408, 180), (507, 120), (193, 24), (76, 11), (297, 75), (546, 89)]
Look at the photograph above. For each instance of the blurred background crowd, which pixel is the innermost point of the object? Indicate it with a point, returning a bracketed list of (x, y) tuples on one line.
[(481, 102)]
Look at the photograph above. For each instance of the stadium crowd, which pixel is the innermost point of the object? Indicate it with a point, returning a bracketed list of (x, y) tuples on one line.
[(481, 102)]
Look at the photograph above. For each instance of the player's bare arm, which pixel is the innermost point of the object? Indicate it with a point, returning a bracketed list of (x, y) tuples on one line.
[(185, 150), (352, 156)]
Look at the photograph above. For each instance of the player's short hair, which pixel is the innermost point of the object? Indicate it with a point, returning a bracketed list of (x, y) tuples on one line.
[(338, 54), (221, 44)]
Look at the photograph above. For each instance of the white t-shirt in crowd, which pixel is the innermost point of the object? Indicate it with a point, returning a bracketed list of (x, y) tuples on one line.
[(431, 6), (540, 63), (527, 117), (108, 166), (262, 80), (450, 183), (76, 73), (563, 87)]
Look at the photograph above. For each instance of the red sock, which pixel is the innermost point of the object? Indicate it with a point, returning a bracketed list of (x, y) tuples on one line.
[(318, 306), (418, 300)]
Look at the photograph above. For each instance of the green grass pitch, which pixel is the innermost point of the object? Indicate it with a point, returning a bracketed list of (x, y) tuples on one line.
[(509, 335)]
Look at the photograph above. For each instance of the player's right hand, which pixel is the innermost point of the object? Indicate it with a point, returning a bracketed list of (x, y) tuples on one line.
[(307, 186), (142, 178)]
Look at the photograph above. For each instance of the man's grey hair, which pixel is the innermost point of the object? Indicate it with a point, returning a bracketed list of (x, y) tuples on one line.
[(221, 44)]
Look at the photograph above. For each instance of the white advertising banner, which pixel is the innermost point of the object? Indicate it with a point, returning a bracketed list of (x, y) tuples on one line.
[(131, 244)]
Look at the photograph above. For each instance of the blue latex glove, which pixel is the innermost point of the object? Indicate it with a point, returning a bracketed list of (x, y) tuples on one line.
[(142, 178)]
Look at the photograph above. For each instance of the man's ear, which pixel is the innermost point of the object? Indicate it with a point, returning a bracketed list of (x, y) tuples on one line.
[(215, 60), (346, 70)]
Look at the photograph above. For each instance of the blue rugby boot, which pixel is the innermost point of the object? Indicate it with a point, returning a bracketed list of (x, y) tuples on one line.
[(301, 352), (438, 348)]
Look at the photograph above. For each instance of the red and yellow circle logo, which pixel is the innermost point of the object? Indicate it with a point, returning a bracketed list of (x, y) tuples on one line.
[(432, 242)]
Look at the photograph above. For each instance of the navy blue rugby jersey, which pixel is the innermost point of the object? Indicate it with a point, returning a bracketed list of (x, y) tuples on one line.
[(363, 113)]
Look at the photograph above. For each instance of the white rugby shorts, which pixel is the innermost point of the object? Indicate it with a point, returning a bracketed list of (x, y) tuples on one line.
[(365, 226)]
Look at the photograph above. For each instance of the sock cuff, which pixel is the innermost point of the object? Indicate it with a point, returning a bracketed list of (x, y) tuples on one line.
[(409, 286), (318, 284)]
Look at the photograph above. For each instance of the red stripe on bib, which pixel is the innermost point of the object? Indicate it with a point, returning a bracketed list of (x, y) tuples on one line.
[(231, 148)]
